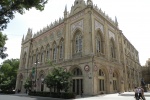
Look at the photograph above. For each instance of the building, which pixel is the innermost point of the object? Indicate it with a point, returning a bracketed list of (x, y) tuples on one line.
[(146, 73), (87, 43)]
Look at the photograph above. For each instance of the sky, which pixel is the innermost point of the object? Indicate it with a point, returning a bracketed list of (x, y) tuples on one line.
[(133, 18)]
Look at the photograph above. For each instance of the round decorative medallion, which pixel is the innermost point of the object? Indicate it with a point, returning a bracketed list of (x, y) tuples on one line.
[(86, 68)]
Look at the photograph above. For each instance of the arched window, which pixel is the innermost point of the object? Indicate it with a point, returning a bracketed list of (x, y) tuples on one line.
[(24, 59), (42, 55), (61, 48), (101, 73), (77, 72), (77, 83), (31, 59), (112, 49), (99, 44), (54, 51), (37, 56), (78, 42), (48, 52)]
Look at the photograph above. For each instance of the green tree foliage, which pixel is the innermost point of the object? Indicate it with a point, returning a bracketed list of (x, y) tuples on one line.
[(3, 39), (28, 84), (58, 79), (8, 74), (9, 7)]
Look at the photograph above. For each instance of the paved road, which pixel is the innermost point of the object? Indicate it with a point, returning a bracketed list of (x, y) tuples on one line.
[(124, 96)]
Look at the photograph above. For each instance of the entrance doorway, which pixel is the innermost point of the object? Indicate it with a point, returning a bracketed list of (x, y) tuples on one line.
[(77, 81)]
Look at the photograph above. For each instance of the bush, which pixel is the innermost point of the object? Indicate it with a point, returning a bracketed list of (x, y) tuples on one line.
[(53, 94), (68, 95), (8, 92)]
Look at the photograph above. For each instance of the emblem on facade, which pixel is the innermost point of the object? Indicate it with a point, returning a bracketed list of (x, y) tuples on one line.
[(86, 68)]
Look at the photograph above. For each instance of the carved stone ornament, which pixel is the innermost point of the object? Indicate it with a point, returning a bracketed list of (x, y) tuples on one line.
[(86, 68), (95, 68), (76, 25), (99, 26)]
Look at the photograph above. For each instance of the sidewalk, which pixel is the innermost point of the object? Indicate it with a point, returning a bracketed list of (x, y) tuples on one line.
[(147, 94)]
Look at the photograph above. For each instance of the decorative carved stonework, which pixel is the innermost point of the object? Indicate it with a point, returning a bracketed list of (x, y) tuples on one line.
[(52, 36), (99, 25), (77, 16), (76, 25), (110, 27), (95, 68), (111, 34)]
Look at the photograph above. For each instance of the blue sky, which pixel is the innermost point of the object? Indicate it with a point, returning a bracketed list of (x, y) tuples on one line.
[(133, 17)]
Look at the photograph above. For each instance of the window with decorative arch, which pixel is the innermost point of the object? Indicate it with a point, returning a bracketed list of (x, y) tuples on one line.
[(42, 55), (54, 51), (99, 43), (78, 42), (31, 58), (112, 48), (77, 81), (24, 59), (48, 52), (61, 49), (37, 55), (77, 72), (101, 79)]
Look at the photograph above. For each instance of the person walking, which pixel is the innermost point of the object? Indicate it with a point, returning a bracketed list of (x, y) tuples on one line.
[(136, 93), (141, 93)]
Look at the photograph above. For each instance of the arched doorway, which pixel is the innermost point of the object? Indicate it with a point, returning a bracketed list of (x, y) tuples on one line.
[(102, 81), (77, 81), (20, 83), (41, 81), (115, 82)]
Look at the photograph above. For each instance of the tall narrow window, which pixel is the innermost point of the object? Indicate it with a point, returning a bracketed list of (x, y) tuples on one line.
[(98, 45), (61, 50), (112, 49), (78, 43), (48, 52), (54, 52)]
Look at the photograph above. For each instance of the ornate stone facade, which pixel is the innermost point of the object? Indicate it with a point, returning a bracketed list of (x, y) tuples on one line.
[(146, 72), (87, 43)]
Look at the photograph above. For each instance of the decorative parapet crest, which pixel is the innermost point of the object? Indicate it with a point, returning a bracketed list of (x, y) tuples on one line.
[(105, 15), (48, 27)]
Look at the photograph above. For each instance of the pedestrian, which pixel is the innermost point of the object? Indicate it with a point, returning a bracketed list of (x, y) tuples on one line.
[(141, 93), (136, 93), (143, 97), (81, 92)]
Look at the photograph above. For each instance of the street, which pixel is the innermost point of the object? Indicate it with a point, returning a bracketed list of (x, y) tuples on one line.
[(116, 96)]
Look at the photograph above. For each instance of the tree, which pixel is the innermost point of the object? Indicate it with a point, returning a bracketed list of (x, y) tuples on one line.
[(9, 7), (28, 84), (58, 79), (8, 74), (3, 39)]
